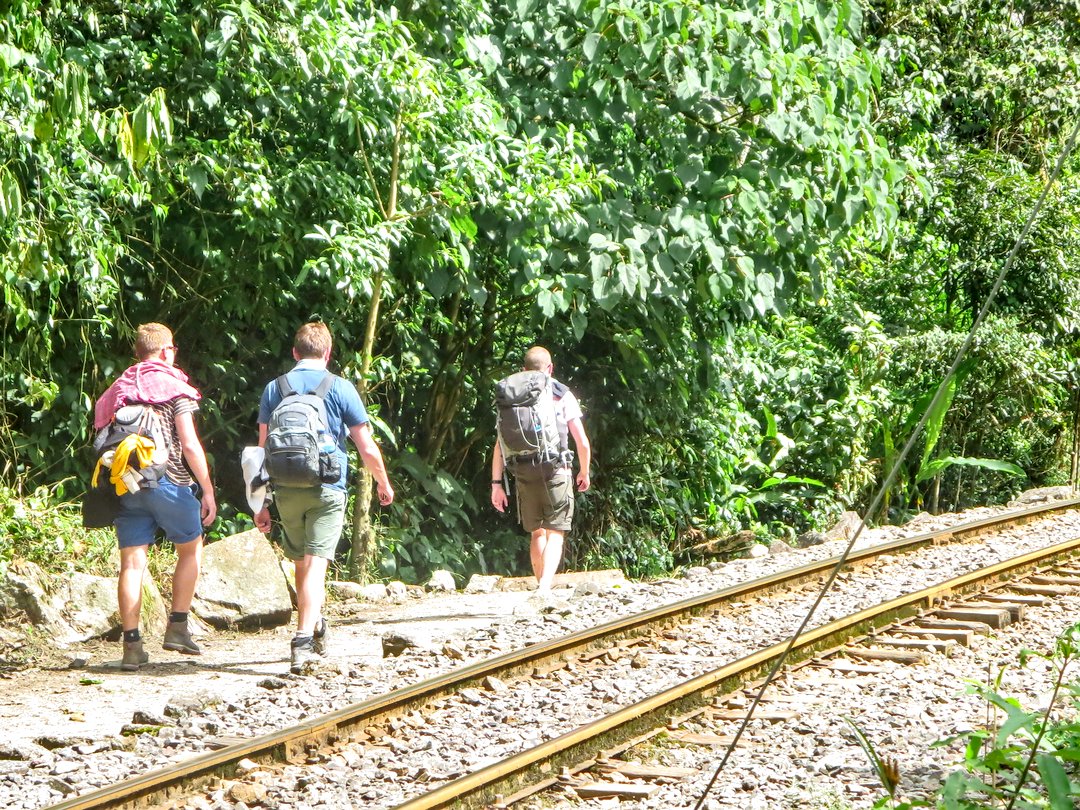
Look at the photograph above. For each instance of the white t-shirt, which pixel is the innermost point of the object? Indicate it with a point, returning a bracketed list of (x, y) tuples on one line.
[(567, 407)]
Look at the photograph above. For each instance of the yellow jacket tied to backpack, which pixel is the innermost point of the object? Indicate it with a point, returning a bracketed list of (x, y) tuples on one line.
[(122, 473)]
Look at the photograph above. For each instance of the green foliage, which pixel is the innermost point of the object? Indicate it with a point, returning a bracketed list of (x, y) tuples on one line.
[(44, 529), (779, 215), (1028, 761)]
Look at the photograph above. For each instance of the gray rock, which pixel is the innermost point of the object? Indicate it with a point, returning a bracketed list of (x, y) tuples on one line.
[(374, 592), (395, 642), (241, 584), (397, 590), (1032, 497), (808, 539), (482, 583), (845, 527), (273, 683), (181, 705), (441, 580), (345, 590), (779, 547), (757, 551), (589, 589), (696, 572)]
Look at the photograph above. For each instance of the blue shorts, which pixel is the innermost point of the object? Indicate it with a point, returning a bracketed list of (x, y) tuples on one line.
[(169, 507)]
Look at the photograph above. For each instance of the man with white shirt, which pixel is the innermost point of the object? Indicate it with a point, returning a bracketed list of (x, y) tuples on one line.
[(545, 492), (312, 517)]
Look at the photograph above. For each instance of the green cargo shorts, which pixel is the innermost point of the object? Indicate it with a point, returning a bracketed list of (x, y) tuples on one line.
[(546, 503), (312, 518)]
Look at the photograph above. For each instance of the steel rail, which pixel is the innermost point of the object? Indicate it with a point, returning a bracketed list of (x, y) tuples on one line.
[(289, 743), (579, 748)]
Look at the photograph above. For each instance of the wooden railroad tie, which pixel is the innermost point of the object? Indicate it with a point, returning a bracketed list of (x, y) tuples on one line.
[(957, 635), (936, 645), (877, 654), (995, 616), (931, 622), (1015, 598), (1050, 579)]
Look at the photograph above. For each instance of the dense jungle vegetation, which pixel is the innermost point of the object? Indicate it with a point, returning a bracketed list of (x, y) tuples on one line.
[(752, 233)]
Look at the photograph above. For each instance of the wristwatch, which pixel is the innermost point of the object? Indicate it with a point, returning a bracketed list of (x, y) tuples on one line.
[(496, 482)]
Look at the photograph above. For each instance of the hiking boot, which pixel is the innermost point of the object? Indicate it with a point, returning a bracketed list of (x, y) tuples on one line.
[(302, 652), (178, 638), (320, 638), (134, 656)]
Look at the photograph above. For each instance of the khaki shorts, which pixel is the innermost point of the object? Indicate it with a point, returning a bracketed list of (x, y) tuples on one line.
[(312, 518), (546, 503)]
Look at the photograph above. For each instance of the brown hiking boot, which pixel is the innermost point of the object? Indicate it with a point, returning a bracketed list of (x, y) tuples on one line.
[(178, 638), (134, 656)]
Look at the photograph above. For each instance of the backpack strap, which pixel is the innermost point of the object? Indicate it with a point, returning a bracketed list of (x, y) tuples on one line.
[(284, 387), (324, 386), (558, 390)]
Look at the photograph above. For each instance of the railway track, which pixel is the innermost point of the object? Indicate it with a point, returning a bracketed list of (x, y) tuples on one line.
[(365, 723)]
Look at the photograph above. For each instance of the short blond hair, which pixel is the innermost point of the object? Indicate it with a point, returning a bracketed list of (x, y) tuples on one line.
[(537, 359), (312, 340), (151, 338)]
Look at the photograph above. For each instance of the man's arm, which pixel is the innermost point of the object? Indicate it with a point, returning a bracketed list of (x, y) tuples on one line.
[(584, 453), (196, 461), (262, 520), (498, 489), (373, 460)]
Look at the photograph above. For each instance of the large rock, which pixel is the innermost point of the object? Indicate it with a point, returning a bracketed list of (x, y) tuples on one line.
[(76, 608), (242, 584), (1032, 497), (845, 527)]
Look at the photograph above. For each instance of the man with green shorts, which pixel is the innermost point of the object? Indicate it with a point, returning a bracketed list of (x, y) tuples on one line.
[(312, 517), (545, 492)]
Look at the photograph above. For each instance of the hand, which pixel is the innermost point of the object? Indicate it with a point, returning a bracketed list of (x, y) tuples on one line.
[(262, 521), (386, 494), (583, 482), (498, 497), (209, 507)]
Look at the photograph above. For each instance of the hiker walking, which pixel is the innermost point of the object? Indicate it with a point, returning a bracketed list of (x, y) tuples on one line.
[(535, 414), (156, 485), (304, 417)]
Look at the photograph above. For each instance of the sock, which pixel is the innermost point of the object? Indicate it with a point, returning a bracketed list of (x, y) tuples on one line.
[(320, 628), (300, 639), (176, 617), (132, 635)]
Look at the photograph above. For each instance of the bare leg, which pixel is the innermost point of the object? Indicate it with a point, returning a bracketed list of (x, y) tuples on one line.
[(545, 551), (310, 592), (186, 574), (129, 585)]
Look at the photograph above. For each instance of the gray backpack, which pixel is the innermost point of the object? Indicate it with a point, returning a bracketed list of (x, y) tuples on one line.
[(529, 428), (296, 434)]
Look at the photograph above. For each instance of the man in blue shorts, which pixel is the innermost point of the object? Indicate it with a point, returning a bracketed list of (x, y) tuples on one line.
[(173, 506), (312, 517)]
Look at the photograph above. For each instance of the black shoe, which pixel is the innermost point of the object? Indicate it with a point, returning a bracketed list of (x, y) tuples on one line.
[(301, 653), (321, 637)]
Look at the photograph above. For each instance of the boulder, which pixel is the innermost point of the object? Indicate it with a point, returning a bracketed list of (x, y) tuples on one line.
[(807, 539), (1032, 497), (75, 608), (345, 590), (482, 583), (845, 527), (779, 547), (241, 584), (757, 551), (442, 580)]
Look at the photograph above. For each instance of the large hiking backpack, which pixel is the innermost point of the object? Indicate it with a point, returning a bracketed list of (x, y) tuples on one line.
[(130, 454), (299, 447), (529, 427), (133, 447)]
